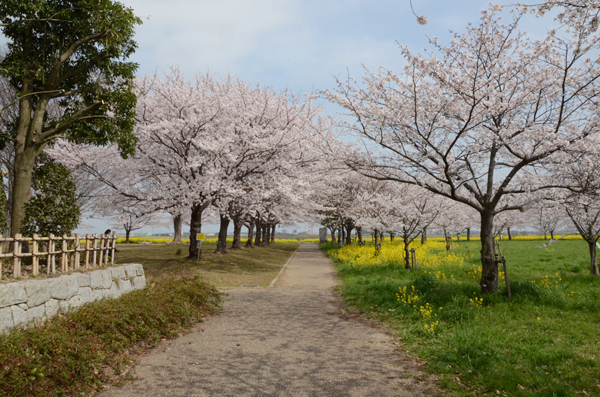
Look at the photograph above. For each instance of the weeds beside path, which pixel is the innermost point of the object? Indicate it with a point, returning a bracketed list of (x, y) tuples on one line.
[(542, 342)]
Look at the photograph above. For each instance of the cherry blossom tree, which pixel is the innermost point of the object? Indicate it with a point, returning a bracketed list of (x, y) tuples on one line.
[(467, 121)]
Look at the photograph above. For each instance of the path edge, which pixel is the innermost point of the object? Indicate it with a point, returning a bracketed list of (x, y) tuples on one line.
[(283, 268)]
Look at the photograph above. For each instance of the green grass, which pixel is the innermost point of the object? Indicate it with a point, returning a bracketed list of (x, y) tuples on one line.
[(257, 265), (76, 353), (543, 342)]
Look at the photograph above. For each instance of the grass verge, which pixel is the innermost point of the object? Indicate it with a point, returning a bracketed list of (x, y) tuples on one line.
[(76, 353), (257, 265), (542, 342)]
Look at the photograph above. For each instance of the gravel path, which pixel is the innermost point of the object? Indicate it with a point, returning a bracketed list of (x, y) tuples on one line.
[(290, 340)]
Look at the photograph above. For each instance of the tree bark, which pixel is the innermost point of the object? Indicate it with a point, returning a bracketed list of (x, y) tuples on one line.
[(406, 252), (273, 233), (251, 232), (177, 230), (468, 234), (127, 233), (424, 236), (349, 234), (376, 235), (339, 237), (359, 235), (222, 240), (593, 261), (333, 235), (551, 234), (489, 268), (509, 233), (195, 228), (267, 237), (24, 164), (263, 237), (237, 233), (258, 233)]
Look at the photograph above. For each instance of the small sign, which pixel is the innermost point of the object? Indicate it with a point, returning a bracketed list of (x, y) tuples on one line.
[(201, 236)]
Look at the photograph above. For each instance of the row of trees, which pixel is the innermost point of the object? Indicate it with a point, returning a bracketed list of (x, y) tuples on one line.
[(488, 121), (211, 148)]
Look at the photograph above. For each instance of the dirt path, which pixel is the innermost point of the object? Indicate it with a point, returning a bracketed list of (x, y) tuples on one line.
[(284, 341)]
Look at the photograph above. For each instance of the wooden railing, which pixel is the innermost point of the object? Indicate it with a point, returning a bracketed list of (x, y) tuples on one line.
[(96, 250)]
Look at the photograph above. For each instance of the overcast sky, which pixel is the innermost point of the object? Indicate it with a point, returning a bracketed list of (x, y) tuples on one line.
[(296, 44)]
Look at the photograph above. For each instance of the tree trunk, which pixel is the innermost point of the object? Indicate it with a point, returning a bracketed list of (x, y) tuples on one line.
[(593, 262), (392, 236), (406, 252), (468, 234), (509, 233), (424, 236), (251, 232), (545, 236), (222, 240), (489, 268), (349, 234), (237, 233), (127, 233), (551, 234), (376, 235), (258, 233), (177, 230), (339, 237), (263, 238), (446, 239), (332, 235), (273, 233), (195, 228), (24, 164), (267, 237), (359, 236)]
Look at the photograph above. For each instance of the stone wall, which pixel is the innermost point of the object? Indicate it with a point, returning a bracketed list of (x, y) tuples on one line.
[(26, 300)]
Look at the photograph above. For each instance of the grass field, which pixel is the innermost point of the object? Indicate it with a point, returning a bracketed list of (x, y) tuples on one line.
[(249, 266), (545, 341)]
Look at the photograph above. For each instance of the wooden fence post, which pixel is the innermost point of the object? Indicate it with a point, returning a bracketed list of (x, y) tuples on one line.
[(87, 251), (95, 246), (64, 263), (106, 249), (77, 251), (114, 247), (52, 254), (101, 259), (16, 256), (35, 260)]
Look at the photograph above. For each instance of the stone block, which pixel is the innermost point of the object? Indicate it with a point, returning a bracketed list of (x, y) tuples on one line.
[(139, 282), (6, 319), (63, 287), (36, 313), (117, 272), (38, 292), (96, 294), (83, 279), (12, 294), (115, 290), (85, 295), (101, 279), (130, 271), (72, 303), (52, 307), (19, 315), (23, 306), (139, 270), (125, 286)]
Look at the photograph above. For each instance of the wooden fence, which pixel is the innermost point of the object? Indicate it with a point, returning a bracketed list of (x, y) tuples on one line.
[(70, 252)]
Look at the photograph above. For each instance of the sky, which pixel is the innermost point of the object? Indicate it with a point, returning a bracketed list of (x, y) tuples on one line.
[(301, 45)]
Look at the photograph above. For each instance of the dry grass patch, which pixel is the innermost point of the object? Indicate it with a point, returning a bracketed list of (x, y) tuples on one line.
[(248, 266)]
